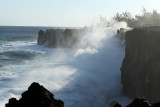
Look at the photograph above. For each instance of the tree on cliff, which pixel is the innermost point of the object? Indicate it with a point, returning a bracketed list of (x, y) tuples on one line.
[(145, 19)]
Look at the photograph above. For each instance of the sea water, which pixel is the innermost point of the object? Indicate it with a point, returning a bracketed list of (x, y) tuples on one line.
[(85, 76)]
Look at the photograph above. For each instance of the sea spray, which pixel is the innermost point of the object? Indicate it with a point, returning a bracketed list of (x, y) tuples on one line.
[(97, 81), (86, 76), (95, 36)]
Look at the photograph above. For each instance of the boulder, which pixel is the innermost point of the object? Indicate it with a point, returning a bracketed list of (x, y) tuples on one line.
[(36, 96)]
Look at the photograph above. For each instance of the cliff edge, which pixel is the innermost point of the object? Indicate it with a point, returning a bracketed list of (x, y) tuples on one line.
[(140, 70)]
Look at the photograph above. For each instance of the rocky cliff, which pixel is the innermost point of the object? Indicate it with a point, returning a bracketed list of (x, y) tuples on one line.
[(65, 38), (35, 96), (140, 71)]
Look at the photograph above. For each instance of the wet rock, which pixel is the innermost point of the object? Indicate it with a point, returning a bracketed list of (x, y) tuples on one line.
[(36, 96)]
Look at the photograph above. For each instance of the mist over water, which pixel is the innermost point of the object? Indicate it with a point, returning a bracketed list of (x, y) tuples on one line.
[(86, 76)]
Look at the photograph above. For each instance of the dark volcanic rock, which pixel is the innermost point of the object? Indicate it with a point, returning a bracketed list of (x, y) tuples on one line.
[(139, 102), (140, 69), (36, 96), (53, 38)]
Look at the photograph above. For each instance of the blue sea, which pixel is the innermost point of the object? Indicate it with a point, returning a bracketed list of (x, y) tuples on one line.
[(86, 76)]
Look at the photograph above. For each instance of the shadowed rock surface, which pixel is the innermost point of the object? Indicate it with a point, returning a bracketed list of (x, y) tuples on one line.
[(36, 96), (139, 102), (59, 38), (140, 71)]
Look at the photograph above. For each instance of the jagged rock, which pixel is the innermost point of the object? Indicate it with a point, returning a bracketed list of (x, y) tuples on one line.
[(140, 102), (122, 32), (140, 69), (65, 38), (36, 96)]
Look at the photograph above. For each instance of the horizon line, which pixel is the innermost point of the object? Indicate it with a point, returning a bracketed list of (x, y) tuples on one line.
[(36, 26)]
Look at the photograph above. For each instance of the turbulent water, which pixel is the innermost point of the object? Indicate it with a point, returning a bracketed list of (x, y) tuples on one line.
[(86, 76)]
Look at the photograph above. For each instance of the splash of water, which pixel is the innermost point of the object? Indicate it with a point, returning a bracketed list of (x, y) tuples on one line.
[(96, 36)]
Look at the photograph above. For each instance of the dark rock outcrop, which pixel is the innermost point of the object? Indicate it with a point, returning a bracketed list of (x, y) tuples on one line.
[(140, 71), (36, 96), (41, 38), (121, 33), (65, 38), (139, 102)]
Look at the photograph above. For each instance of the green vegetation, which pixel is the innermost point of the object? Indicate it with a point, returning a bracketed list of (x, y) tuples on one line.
[(145, 19)]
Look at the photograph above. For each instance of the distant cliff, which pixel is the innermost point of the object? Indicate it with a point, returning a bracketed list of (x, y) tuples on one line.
[(140, 71), (65, 38)]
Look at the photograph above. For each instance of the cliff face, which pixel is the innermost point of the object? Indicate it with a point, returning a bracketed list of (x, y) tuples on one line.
[(140, 71), (53, 38)]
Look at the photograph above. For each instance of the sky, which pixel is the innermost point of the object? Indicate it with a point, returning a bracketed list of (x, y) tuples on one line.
[(67, 13)]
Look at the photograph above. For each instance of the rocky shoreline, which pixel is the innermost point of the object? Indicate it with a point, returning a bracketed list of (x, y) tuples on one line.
[(140, 68), (38, 96)]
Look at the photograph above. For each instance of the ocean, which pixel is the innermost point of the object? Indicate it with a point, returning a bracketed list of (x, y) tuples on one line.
[(86, 76)]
